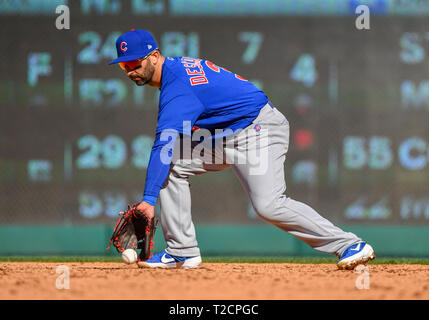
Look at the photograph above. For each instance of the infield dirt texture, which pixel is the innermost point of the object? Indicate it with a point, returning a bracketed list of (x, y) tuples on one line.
[(260, 281)]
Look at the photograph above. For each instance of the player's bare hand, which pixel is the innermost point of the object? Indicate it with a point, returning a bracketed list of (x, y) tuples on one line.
[(147, 209)]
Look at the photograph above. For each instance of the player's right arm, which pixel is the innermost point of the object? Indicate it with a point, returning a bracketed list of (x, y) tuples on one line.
[(180, 111)]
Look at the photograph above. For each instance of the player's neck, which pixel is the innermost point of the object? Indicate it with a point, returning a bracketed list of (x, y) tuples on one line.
[(157, 75)]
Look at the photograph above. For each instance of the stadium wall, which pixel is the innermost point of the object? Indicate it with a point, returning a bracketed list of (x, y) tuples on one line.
[(214, 240)]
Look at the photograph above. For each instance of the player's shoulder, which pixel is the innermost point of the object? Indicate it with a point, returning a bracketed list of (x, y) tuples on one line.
[(173, 68), (176, 69), (174, 79), (183, 59), (179, 64), (172, 60)]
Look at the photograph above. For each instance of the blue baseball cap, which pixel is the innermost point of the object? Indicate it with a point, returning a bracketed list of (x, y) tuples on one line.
[(134, 44)]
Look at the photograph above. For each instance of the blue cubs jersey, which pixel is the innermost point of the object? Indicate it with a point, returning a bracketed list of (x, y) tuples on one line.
[(198, 93)]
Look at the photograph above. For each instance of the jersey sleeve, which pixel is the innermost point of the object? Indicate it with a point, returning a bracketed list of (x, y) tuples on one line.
[(176, 116)]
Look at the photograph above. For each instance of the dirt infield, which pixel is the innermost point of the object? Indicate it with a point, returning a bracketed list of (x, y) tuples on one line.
[(264, 281)]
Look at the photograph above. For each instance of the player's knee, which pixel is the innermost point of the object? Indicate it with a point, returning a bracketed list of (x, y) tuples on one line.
[(265, 208), (180, 170), (273, 209)]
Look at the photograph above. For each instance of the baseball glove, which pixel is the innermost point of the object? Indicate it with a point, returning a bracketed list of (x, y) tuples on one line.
[(134, 230)]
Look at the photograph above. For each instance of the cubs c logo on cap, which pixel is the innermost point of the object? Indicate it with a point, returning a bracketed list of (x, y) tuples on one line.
[(123, 46), (133, 45)]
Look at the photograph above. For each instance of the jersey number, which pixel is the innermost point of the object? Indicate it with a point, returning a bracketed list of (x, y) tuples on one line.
[(215, 68)]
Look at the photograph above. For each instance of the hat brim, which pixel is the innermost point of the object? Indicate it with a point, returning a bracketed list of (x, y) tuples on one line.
[(126, 58)]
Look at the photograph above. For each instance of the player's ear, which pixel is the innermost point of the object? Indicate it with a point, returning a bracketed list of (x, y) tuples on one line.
[(155, 57)]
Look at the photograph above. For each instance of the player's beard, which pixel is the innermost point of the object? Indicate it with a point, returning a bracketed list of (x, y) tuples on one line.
[(142, 76)]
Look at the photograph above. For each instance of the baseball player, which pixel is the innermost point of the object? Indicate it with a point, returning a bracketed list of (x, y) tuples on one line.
[(247, 134)]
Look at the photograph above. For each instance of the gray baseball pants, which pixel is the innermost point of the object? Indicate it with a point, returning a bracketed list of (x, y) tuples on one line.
[(257, 156)]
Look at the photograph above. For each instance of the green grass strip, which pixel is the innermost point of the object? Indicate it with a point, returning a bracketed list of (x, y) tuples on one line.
[(305, 260)]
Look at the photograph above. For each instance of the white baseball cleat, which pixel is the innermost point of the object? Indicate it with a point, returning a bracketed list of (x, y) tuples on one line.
[(165, 260), (359, 253)]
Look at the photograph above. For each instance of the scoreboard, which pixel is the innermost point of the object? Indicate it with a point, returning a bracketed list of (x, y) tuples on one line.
[(76, 133)]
